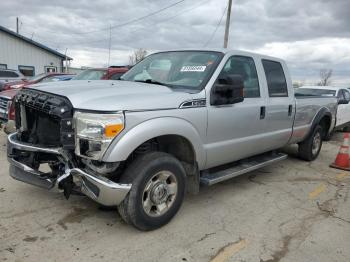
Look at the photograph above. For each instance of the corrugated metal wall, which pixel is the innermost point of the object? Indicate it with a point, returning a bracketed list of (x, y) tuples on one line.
[(15, 52)]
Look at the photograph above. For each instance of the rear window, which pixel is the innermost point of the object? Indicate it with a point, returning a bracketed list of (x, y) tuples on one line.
[(8, 74), (90, 75), (314, 92), (276, 80)]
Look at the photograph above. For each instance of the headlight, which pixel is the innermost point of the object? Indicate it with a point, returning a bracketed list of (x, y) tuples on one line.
[(94, 132)]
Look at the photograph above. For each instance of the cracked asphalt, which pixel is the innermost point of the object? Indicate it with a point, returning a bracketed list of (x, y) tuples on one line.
[(290, 211)]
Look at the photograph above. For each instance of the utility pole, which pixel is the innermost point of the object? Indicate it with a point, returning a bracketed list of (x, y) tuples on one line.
[(109, 45), (17, 25), (228, 19), (65, 54)]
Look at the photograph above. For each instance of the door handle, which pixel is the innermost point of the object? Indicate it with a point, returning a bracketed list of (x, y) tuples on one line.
[(290, 110), (262, 112)]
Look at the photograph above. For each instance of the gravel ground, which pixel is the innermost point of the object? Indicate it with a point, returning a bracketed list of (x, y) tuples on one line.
[(291, 211)]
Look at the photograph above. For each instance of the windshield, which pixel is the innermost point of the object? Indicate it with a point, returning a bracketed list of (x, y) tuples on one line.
[(314, 92), (90, 74), (37, 77), (180, 69)]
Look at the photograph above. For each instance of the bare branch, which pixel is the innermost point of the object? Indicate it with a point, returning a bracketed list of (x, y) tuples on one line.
[(137, 56), (325, 75)]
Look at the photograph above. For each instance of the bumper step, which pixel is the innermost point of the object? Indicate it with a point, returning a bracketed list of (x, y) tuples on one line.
[(217, 175)]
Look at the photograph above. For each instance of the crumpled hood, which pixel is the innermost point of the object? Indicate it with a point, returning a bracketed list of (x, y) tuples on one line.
[(104, 95)]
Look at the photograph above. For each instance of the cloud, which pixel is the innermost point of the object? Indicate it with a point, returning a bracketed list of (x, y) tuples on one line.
[(308, 34), (306, 58)]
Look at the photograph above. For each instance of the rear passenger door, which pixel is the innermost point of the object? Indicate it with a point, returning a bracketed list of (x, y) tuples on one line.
[(280, 104)]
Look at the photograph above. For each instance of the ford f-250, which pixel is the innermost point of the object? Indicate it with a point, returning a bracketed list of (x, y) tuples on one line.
[(176, 120)]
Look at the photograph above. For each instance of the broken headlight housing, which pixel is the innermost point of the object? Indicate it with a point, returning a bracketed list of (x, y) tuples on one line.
[(94, 132)]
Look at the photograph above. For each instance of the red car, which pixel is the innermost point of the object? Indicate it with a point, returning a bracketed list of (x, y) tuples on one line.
[(32, 80), (111, 73)]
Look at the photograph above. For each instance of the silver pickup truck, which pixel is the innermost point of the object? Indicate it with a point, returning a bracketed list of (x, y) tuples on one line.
[(175, 121)]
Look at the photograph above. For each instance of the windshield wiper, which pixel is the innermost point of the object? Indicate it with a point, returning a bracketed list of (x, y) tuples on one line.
[(151, 81)]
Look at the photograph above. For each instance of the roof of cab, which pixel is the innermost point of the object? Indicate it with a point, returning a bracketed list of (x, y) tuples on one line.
[(323, 87), (224, 51)]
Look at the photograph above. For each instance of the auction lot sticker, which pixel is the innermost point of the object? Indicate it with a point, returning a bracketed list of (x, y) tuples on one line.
[(193, 68)]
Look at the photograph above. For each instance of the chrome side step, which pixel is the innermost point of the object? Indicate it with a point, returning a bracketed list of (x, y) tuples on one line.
[(217, 175)]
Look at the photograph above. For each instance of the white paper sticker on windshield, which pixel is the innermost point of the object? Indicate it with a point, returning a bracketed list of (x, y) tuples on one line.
[(193, 68)]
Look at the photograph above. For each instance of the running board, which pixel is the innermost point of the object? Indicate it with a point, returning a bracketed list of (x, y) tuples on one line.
[(213, 176)]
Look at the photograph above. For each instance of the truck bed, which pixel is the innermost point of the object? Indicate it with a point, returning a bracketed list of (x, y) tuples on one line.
[(306, 109)]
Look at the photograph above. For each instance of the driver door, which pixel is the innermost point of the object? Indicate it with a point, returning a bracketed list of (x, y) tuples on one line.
[(237, 131)]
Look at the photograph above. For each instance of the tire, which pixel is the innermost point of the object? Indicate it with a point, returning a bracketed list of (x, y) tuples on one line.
[(310, 148), (157, 192), (328, 136)]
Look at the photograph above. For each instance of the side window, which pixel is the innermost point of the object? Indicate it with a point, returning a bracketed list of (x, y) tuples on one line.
[(340, 94), (245, 67), (8, 74), (50, 69), (27, 70), (116, 76), (347, 95), (276, 80)]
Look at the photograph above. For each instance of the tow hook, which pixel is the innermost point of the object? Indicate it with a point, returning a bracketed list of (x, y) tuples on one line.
[(67, 185)]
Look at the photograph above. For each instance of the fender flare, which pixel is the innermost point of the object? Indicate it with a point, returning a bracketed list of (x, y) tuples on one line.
[(121, 148), (320, 114)]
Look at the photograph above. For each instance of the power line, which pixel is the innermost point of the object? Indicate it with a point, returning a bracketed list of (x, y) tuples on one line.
[(200, 4), (154, 23), (216, 28), (134, 20)]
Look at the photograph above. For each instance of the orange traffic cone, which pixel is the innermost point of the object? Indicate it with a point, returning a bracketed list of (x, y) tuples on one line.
[(342, 160)]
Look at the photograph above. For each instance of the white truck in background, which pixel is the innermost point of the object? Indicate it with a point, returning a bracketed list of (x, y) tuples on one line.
[(342, 94)]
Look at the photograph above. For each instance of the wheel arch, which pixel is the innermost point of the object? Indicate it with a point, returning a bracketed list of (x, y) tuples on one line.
[(323, 118), (171, 130)]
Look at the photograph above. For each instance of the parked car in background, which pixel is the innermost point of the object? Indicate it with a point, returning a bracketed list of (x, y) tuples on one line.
[(7, 75), (7, 113), (110, 73), (46, 77), (342, 94), (57, 78), (5, 98)]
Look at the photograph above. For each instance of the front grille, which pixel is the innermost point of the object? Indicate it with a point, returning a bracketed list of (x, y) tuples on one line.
[(3, 102), (44, 118), (3, 107)]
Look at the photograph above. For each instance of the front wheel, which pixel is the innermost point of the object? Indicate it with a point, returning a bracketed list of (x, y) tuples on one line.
[(310, 148), (158, 188)]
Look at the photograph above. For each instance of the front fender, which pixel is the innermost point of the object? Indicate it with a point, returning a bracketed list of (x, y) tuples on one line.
[(121, 148)]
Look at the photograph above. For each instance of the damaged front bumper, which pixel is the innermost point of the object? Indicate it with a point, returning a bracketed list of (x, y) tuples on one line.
[(98, 188)]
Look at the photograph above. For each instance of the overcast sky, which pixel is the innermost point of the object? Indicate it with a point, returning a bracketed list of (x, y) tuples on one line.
[(310, 35)]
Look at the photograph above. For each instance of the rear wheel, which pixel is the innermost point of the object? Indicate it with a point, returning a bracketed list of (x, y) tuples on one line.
[(158, 188), (310, 148)]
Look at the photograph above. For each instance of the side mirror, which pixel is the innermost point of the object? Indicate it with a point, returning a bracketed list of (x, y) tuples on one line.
[(343, 102), (227, 90)]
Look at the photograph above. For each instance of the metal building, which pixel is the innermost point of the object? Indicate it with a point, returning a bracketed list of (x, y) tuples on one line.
[(30, 57)]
